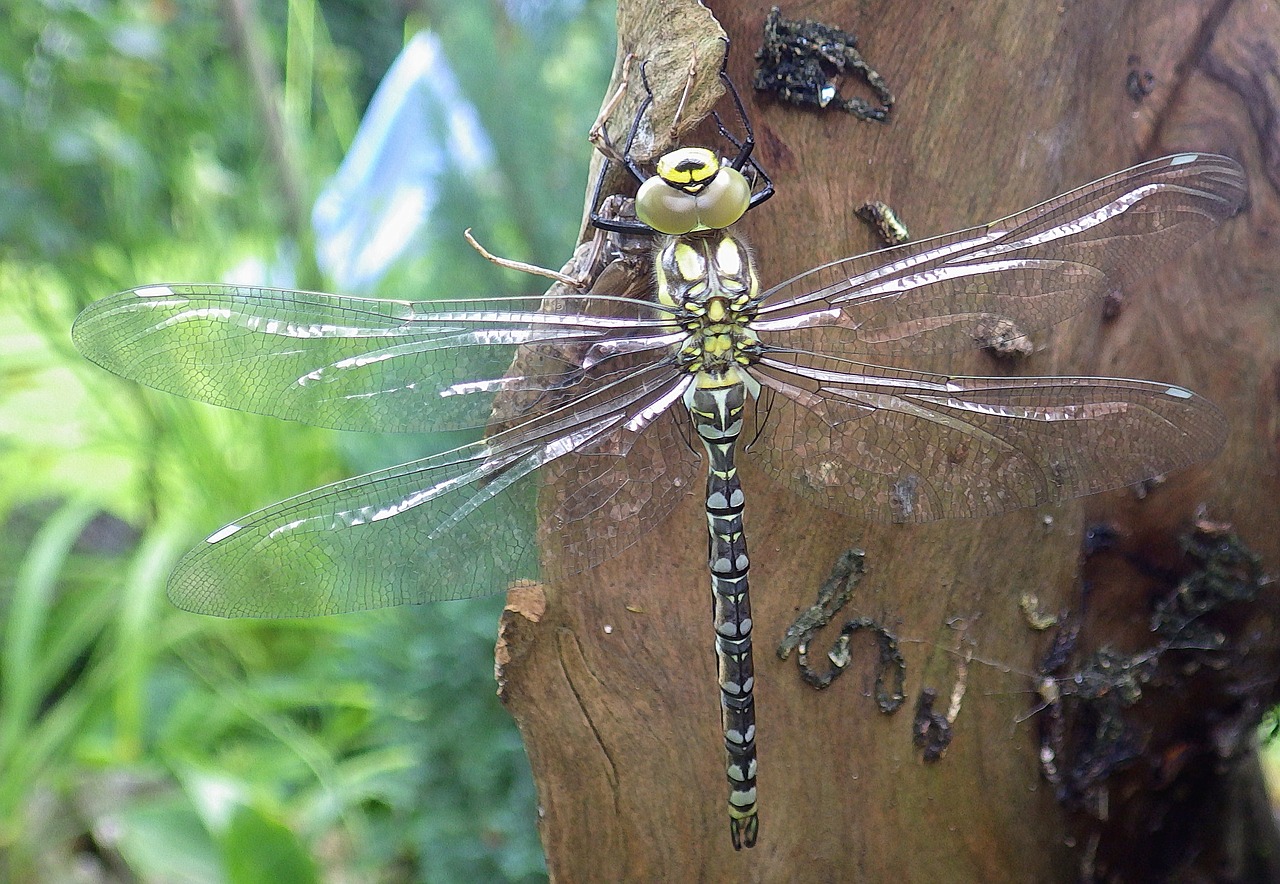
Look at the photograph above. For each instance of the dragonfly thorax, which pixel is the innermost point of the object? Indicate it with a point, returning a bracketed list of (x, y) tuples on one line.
[(709, 281)]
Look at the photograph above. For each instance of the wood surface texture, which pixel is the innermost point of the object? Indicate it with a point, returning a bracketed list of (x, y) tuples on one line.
[(611, 677)]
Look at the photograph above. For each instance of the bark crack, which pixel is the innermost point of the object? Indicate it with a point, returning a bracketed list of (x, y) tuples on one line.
[(1196, 57), (567, 645)]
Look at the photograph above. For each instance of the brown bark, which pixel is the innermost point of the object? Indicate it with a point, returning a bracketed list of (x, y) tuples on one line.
[(613, 685)]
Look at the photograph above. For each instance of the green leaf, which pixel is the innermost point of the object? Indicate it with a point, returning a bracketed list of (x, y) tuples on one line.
[(27, 621), (164, 839), (260, 849)]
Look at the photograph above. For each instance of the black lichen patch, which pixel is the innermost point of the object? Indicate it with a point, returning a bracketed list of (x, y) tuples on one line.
[(1099, 537), (804, 62), (1089, 732), (930, 730), (832, 596), (1100, 740), (891, 663), (1227, 571), (1139, 82)]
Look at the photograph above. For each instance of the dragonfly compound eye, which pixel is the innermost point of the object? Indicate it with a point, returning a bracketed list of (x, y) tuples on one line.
[(670, 203)]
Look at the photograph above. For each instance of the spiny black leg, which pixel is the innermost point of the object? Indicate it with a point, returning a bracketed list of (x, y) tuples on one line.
[(621, 225), (748, 143)]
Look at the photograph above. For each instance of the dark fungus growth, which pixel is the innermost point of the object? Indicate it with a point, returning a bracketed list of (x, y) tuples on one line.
[(1087, 734), (1227, 571), (1139, 83), (930, 730), (891, 662), (804, 61), (1099, 537), (832, 596)]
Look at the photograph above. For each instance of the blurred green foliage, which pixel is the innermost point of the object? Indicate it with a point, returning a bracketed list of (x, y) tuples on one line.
[(138, 742)]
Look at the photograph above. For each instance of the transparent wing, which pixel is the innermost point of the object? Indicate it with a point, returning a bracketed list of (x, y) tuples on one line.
[(404, 535), (356, 363), (607, 499), (1034, 268), (455, 525), (907, 446)]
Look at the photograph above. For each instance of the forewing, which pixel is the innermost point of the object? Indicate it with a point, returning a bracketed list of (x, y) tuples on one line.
[(906, 446), (352, 363), (1032, 269)]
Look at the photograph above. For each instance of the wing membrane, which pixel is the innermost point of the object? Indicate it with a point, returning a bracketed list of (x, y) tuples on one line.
[(907, 446), (455, 525), (1034, 268), (586, 393), (353, 363)]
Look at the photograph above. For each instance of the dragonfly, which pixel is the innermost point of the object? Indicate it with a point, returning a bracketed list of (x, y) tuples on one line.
[(603, 397)]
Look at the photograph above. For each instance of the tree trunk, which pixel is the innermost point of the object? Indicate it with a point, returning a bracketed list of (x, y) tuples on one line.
[(613, 682)]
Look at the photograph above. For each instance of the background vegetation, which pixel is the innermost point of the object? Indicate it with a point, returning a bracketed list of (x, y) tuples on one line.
[(138, 742)]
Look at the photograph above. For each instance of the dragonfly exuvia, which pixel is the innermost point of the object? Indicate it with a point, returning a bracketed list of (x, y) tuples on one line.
[(605, 389)]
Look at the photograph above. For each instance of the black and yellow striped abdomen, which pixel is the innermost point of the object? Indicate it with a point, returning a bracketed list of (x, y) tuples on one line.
[(717, 403)]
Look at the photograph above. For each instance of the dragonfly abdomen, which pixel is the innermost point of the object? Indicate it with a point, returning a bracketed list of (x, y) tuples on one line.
[(716, 402)]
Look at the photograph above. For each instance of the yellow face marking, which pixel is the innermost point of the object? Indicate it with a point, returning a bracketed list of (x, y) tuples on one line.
[(688, 168)]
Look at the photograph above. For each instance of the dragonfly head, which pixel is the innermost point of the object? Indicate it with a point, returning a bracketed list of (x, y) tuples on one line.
[(688, 168), (692, 191)]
